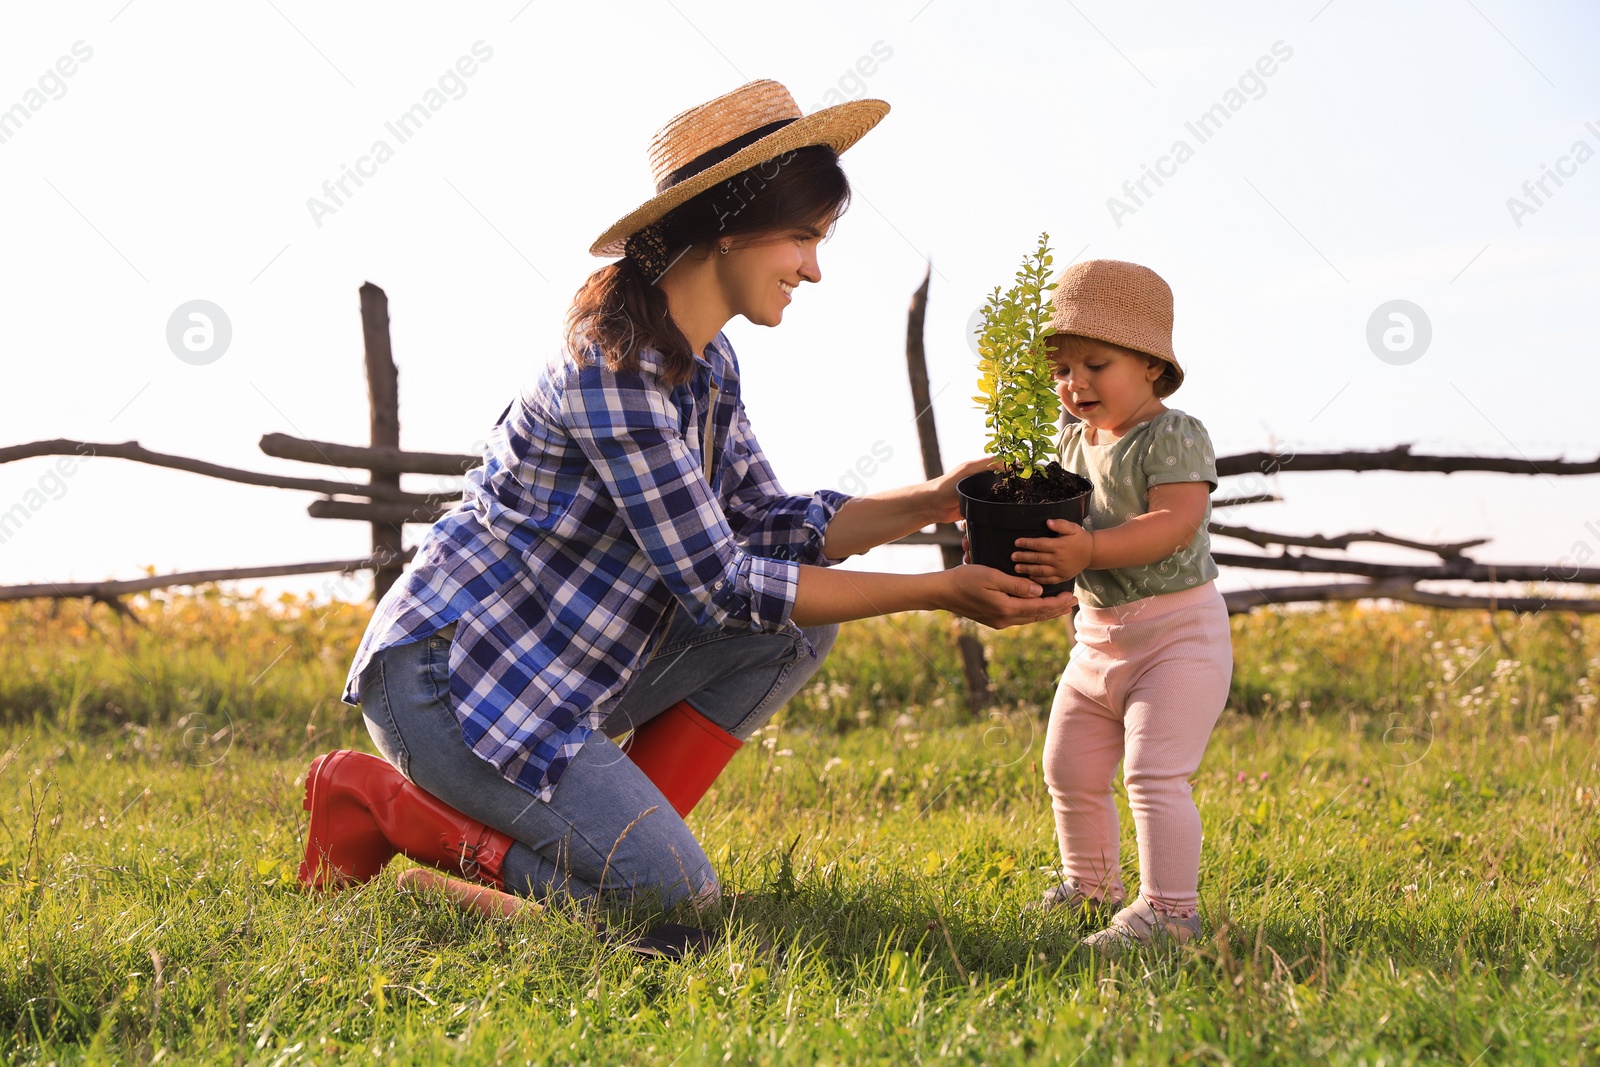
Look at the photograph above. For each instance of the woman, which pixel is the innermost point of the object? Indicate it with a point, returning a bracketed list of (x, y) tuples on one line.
[(625, 559)]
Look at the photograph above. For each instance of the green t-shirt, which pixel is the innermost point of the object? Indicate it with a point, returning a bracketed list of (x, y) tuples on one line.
[(1172, 447)]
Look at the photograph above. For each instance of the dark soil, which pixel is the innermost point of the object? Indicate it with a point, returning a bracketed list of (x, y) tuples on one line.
[(1056, 483)]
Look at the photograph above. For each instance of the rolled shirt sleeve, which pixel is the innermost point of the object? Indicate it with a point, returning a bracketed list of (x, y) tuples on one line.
[(768, 521)]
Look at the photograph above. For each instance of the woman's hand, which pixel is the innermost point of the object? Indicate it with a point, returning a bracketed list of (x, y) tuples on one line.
[(946, 503), (1048, 560), (997, 599), (865, 522)]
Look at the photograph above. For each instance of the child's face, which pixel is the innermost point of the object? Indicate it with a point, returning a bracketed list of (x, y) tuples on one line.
[(1108, 387)]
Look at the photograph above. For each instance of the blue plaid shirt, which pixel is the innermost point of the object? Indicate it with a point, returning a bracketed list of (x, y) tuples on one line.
[(590, 518)]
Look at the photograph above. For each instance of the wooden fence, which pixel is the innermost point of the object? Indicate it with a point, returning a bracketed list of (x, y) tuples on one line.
[(381, 502)]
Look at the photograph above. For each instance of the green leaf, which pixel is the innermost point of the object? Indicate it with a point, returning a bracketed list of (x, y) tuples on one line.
[(1017, 375)]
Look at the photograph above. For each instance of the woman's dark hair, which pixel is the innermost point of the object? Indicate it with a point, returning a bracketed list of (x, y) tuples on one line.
[(620, 309)]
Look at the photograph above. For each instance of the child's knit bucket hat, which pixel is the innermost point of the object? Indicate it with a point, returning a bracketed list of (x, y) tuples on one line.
[(1122, 303)]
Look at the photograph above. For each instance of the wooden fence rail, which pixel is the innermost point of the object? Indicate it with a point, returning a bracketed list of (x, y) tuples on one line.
[(381, 502), (379, 512), (1459, 569), (1240, 601), (111, 590), (1398, 458), (131, 450), (382, 460)]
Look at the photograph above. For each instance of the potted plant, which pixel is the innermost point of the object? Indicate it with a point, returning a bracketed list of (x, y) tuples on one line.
[(1016, 386)]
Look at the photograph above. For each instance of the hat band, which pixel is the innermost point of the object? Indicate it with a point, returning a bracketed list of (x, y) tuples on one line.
[(708, 159)]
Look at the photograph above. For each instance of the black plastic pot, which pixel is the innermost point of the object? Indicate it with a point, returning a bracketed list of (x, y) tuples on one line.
[(994, 526)]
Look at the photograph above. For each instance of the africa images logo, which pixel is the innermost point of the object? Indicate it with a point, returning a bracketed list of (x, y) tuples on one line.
[(1252, 85), (1566, 167), (404, 127), (52, 85)]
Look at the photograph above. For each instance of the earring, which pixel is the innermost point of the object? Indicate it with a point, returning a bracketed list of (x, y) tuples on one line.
[(723, 249)]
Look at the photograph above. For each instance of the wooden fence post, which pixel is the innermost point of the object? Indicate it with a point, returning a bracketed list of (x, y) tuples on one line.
[(974, 662), (383, 394)]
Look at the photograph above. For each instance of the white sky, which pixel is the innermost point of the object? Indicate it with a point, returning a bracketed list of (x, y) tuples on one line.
[(1375, 165)]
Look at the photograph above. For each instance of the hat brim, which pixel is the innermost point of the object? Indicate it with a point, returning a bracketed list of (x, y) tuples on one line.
[(1168, 357), (838, 127)]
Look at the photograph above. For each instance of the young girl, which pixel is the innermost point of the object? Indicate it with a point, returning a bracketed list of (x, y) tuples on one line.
[(1149, 672)]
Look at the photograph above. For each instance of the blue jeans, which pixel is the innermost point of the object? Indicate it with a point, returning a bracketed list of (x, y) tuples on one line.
[(594, 833)]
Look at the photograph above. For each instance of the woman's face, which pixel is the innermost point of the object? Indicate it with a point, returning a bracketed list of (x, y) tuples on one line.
[(760, 273)]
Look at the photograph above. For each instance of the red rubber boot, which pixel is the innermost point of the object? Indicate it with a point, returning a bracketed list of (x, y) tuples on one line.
[(343, 844), (682, 752), (363, 811)]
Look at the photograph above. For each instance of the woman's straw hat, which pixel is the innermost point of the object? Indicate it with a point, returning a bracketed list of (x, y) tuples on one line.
[(1122, 303), (707, 144)]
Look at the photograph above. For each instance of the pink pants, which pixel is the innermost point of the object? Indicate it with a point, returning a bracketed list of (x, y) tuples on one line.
[(1145, 682)]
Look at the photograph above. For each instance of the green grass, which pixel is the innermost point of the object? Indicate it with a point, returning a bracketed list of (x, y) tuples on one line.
[(1402, 813)]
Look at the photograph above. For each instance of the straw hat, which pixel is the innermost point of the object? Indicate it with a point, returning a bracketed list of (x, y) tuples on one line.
[(1122, 303), (707, 144)]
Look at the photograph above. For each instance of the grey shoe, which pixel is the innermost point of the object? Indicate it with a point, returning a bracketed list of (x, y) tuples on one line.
[(1068, 896), (1140, 924)]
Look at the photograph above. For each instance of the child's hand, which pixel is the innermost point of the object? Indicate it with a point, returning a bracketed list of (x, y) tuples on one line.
[(1048, 560)]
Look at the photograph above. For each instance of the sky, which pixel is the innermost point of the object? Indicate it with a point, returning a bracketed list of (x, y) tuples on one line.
[(1357, 154)]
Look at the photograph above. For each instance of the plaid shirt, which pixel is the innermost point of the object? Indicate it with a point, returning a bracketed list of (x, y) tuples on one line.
[(591, 515)]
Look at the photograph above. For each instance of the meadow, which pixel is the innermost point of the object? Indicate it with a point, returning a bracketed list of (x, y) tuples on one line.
[(1402, 813)]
